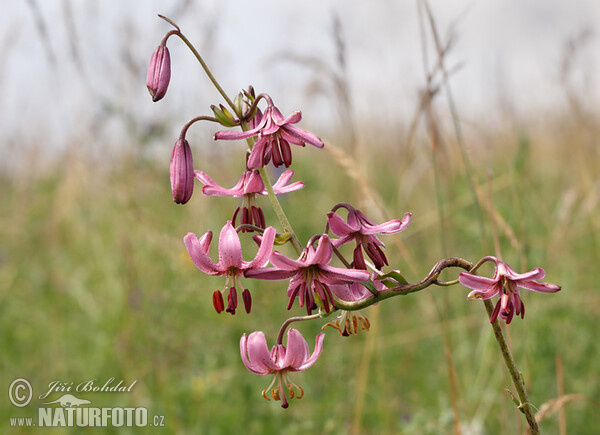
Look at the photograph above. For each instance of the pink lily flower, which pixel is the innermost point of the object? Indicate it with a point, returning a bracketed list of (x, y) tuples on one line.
[(279, 361), (506, 283), (363, 230), (231, 264), (248, 187), (311, 274), (275, 134)]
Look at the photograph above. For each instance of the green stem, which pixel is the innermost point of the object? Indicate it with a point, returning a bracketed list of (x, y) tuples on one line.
[(525, 405), (208, 72), (404, 289), (287, 227), (291, 320)]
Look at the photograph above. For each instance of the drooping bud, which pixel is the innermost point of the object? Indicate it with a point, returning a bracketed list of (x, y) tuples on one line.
[(159, 73), (182, 171)]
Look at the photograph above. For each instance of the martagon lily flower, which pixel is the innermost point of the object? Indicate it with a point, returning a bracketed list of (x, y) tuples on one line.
[(275, 134), (506, 283), (279, 361), (311, 274), (231, 264), (248, 187), (364, 231)]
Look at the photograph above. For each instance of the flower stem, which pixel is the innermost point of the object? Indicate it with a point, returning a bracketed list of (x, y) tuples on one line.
[(201, 60), (291, 320), (525, 405), (279, 210)]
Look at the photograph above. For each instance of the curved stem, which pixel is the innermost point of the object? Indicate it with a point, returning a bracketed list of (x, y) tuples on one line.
[(204, 65), (405, 289), (291, 320), (525, 406), (194, 120)]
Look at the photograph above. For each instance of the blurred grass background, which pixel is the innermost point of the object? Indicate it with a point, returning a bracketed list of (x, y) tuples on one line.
[(95, 281)]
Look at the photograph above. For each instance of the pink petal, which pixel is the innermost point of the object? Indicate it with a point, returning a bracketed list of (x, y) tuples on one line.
[(477, 282), (258, 353), (256, 369), (264, 252), (318, 349), (213, 189), (269, 274), (350, 292), (390, 227), (535, 274), (297, 350), (479, 294), (235, 135), (337, 275), (281, 186), (539, 286), (199, 254), (294, 118), (304, 136), (284, 263), (255, 159), (338, 225), (323, 253), (254, 183), (230, 248)]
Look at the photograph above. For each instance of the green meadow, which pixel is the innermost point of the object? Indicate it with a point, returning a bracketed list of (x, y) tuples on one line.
[(95, 283)]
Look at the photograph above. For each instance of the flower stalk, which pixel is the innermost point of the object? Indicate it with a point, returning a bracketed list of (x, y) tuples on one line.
[(526, 407)]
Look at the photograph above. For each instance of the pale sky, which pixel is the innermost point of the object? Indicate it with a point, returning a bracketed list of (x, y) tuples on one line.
[(82, 71)]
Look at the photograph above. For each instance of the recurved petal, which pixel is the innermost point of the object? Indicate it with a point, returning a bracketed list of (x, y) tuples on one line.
[(198, 250), (259, 356), (294, 118), (258, 370), (535, 274), (235, 135), (389, 227), (284, 263), (479, 294), (539, 286), (264, 252), (269, 273), (336, 275), (230, 248), (339, 226), (303, 135), (281, 185), (477, 282), (313, 358), (213, 189), (297, 350)]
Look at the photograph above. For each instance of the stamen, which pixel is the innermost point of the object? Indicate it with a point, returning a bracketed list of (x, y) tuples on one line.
[(264, 394), (276, 154), (235, 213), (247, 300), (286, 152), (218, 301)]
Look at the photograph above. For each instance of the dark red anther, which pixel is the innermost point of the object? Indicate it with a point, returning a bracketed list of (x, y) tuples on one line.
[(277, 159), (286, 152), (235, 213), (247, 300), (359, 259), (234, 298), (246, 219), (256, 217), (218, 301), (261, 215), (376, 254)]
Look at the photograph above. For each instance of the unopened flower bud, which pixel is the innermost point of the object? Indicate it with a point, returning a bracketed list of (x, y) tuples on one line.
[(159, 72), (182, 172)]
